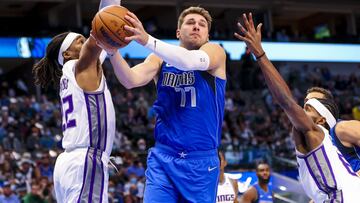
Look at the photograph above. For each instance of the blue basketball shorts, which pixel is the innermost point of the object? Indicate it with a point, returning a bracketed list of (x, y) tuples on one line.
[(180, 176)]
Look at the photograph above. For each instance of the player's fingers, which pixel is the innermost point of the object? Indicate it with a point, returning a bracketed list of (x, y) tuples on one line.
[(258, 28), (130, 29), (242, 29), (246, 22), (128, 39), (251, 22), (132, 20), (133, 15), (240, 37)]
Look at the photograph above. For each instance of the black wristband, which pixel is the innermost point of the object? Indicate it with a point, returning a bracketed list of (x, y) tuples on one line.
[(261, 55)]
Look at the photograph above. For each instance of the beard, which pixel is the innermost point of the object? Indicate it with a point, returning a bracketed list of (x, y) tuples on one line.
[(263, 180)]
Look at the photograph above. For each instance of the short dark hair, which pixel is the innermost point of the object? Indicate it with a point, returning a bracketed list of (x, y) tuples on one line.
[(48, 70), (260, 162), (327, 94)]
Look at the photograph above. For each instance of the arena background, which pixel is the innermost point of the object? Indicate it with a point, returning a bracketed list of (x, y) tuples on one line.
[(254, 127)]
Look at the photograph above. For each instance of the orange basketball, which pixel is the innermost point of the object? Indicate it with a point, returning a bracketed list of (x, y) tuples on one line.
[(108, 26)]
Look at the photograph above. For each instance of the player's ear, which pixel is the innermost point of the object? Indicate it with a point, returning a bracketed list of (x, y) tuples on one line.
[(177, 33), (66, 55), (321, 120)]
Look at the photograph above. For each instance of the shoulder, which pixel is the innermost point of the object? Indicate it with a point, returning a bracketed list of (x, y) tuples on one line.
[(343, 126), (251, 193), (69, 66), (340, 128), (213, 46), (347, 129)]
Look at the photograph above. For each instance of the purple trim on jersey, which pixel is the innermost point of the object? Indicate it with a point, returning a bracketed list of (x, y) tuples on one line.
[(92, 176), (105, 125), (102, 179), (313, 175), (349, 169), (321, 171), (304, 156), (89, 116), (324, 167), (84, 176), (329, 165), (98, 121), (342, 196)]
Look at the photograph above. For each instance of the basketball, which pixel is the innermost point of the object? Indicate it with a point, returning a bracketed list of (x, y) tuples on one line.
[(108, 26)]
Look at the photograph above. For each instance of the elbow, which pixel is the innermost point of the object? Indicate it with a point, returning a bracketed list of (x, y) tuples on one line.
[(129, 86)]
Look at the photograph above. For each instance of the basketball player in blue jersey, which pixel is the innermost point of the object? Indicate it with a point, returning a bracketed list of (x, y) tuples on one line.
[(260, 192), (190, 78), (228, 188), (324, 173), (345, 134), (80, 173)]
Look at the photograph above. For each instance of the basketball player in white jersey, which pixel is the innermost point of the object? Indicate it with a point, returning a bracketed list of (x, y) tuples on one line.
[(227, 191), (325, 175), (345, 134), (80, 173)]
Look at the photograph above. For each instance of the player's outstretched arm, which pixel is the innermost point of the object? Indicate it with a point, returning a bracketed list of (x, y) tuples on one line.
[(349, 131), (278, 87), (104, 3), (88, 56), (136, 76), (209, 56), (90, 51)]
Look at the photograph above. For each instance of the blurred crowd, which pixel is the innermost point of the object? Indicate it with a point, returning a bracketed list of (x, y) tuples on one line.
[(30, 133), (223, 29)]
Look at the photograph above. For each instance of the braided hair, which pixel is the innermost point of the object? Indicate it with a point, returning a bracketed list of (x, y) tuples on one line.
[(48, 70)]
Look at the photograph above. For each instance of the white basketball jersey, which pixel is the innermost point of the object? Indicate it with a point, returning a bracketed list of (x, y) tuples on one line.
[(225, 192), (88, 118), (326, 176)]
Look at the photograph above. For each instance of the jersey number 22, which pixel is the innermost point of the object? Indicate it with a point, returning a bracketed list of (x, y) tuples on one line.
[(70, 108)]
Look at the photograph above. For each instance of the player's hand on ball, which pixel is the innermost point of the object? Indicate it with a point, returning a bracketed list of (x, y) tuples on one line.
[(108, 50), (139, 33)]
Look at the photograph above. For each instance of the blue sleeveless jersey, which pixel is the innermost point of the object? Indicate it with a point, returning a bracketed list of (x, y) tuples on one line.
[(351, 154), (190, 109), (262, 196)]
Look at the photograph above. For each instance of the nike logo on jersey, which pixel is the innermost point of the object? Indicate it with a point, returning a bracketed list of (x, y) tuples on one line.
[(168, 65), (210, 169)]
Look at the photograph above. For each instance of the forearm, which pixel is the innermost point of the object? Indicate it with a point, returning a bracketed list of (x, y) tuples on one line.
[(89, 55), (122, 71), (104, 3), (276, 83), (179, 57)]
